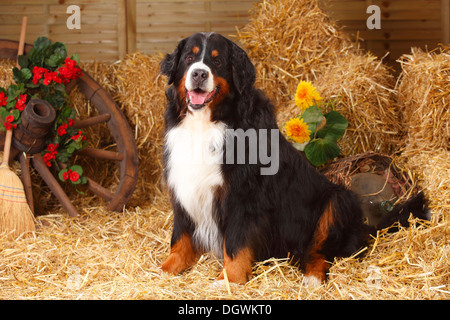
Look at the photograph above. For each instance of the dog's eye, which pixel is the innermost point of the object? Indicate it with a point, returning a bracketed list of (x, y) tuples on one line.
[(217, 62), (189, 58)]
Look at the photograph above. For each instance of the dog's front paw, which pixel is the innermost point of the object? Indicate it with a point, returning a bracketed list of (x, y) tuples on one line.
[(173, 265)]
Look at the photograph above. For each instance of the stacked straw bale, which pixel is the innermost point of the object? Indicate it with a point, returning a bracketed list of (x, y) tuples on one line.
[(426, 109), (141, 94), (424, 99), (290, 41)]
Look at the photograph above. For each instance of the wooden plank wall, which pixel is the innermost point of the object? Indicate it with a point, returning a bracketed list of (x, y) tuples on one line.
[(97, 39), (161, 24), (111, 28), (404, 23)]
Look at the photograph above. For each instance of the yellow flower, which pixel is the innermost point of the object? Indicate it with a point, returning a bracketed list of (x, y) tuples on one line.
[(297, 130), (306, 95)]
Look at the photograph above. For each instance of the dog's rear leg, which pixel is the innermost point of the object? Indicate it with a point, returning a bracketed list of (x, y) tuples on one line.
[(316, 265)]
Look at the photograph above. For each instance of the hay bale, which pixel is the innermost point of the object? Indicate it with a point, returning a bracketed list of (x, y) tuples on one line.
[(362, 87), (141, 94), (135, 84), (290, 41), (6, 76), (424, 100)]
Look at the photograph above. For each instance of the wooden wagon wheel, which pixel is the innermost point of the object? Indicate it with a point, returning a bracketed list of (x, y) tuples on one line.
[(109, 113)]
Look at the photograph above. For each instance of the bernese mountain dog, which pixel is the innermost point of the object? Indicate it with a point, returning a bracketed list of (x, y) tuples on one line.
[(237, 187)]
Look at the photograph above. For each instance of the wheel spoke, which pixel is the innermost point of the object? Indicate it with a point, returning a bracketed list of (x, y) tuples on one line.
[(102, 118), (41, 167), (26, 179), (101, 154), (102, 192)]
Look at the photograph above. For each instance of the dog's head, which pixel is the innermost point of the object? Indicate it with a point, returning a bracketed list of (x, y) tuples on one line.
[(206, 68)]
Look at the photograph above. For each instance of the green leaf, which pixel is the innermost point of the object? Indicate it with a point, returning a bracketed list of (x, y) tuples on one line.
[(10, 105), (62, 156), (318, 151), (11, 92), (15, 113), (77, 168), (76, 57), (55, 60), (313, 117), (335, 126), (23, 61), (32, 85), (4, 113), (60, 88), (60, 174), (31, 54), (76, 182), (42, 43), (61, 49), (71, 148), (17, 75), (26, 73)]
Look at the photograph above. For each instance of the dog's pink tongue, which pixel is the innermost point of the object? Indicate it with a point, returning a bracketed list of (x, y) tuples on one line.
[(197, 97)]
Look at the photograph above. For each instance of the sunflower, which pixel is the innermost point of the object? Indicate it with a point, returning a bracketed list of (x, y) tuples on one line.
[(306, 95), (297, 130)]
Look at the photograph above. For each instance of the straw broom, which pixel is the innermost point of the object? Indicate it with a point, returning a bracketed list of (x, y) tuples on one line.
[(16, 217)]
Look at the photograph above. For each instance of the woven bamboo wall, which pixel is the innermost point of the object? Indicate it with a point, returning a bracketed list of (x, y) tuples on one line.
[(404, 23)]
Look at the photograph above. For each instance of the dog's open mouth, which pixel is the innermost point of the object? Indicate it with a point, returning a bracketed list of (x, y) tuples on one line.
[(198, 98)]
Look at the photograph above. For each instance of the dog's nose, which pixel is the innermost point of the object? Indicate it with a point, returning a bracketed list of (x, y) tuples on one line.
[(199, 76)]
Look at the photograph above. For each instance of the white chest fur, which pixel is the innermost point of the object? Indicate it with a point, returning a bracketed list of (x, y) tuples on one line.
[(195, 150)]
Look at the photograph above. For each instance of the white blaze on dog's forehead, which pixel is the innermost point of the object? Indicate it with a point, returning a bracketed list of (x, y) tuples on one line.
[(203, 50), (200, 65)]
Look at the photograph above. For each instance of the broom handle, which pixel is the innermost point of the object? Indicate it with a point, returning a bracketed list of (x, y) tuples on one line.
[(23, 31), (7, 147), (8, 138)]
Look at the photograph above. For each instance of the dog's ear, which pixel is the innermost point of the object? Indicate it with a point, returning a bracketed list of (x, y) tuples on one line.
[(243, 70), (170, 63)]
